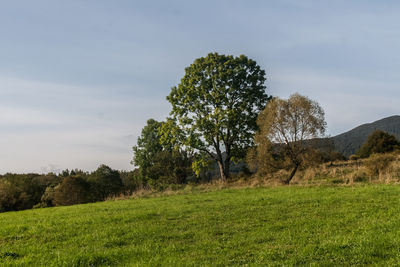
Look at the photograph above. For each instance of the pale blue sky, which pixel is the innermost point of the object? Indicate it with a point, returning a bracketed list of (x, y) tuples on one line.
[(79, 79)]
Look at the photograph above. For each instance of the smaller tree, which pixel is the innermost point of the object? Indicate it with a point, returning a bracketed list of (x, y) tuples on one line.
[(285, 126), (148, 145), (105, 182), (159, 155), (72, 190), (378, 142), (47, 199)]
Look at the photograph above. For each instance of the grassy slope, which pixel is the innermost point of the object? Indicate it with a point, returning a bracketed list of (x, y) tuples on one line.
[(282, 225)]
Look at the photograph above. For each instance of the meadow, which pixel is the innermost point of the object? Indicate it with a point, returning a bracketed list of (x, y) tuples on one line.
[(284, 225)]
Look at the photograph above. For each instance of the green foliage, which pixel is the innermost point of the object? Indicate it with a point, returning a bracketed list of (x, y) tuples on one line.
[(105, 182), (66, 173), (281, 226), (26, 191), (378, 142), (171, 167), (23, 191), (132, 181), (216, 104), (148, 145), (159, 155), (12, 197), (47, 199), (171, 136), (201, 164), (72, 190)]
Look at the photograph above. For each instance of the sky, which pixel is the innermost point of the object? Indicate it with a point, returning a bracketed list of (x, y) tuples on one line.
[(80, 78)]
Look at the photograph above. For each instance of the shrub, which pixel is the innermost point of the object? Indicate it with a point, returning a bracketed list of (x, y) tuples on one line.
[(379, 163), (132, 181), (72, 190), (378, 142), (105, 182)]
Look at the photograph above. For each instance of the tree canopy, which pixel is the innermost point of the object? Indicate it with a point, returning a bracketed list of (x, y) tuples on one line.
[(72, 190), (106, 182), (215, 106), (284, 127), (158, 156), (378, 142), (148, 145)]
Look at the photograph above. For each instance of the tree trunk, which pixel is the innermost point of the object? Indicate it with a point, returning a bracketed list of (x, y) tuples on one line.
[(227, 167), (222, 171), (287, 181)]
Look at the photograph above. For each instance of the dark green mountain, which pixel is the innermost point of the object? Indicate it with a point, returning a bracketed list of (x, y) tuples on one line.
[(349, 143)]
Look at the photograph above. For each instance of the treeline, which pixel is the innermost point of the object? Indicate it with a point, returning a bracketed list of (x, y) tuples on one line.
[(166, 168), (26, 191), (221, 118)]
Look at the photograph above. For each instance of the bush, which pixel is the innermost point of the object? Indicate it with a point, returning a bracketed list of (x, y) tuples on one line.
[(105, 182), (72, 190), (378, 142), (379, 163), (132, 181)]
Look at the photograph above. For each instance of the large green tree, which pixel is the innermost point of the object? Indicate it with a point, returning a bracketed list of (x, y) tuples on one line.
[(216, 104)]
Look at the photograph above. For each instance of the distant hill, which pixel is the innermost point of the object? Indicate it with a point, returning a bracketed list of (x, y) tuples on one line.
[(350, 142)]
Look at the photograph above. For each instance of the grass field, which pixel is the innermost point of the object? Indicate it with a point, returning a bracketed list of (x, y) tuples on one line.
[(261, 226)]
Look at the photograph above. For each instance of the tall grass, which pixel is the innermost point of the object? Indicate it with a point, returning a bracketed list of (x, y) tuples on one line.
[(379, 168)]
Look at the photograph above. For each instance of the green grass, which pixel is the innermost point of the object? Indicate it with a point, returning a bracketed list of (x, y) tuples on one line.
[(260, 226)]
